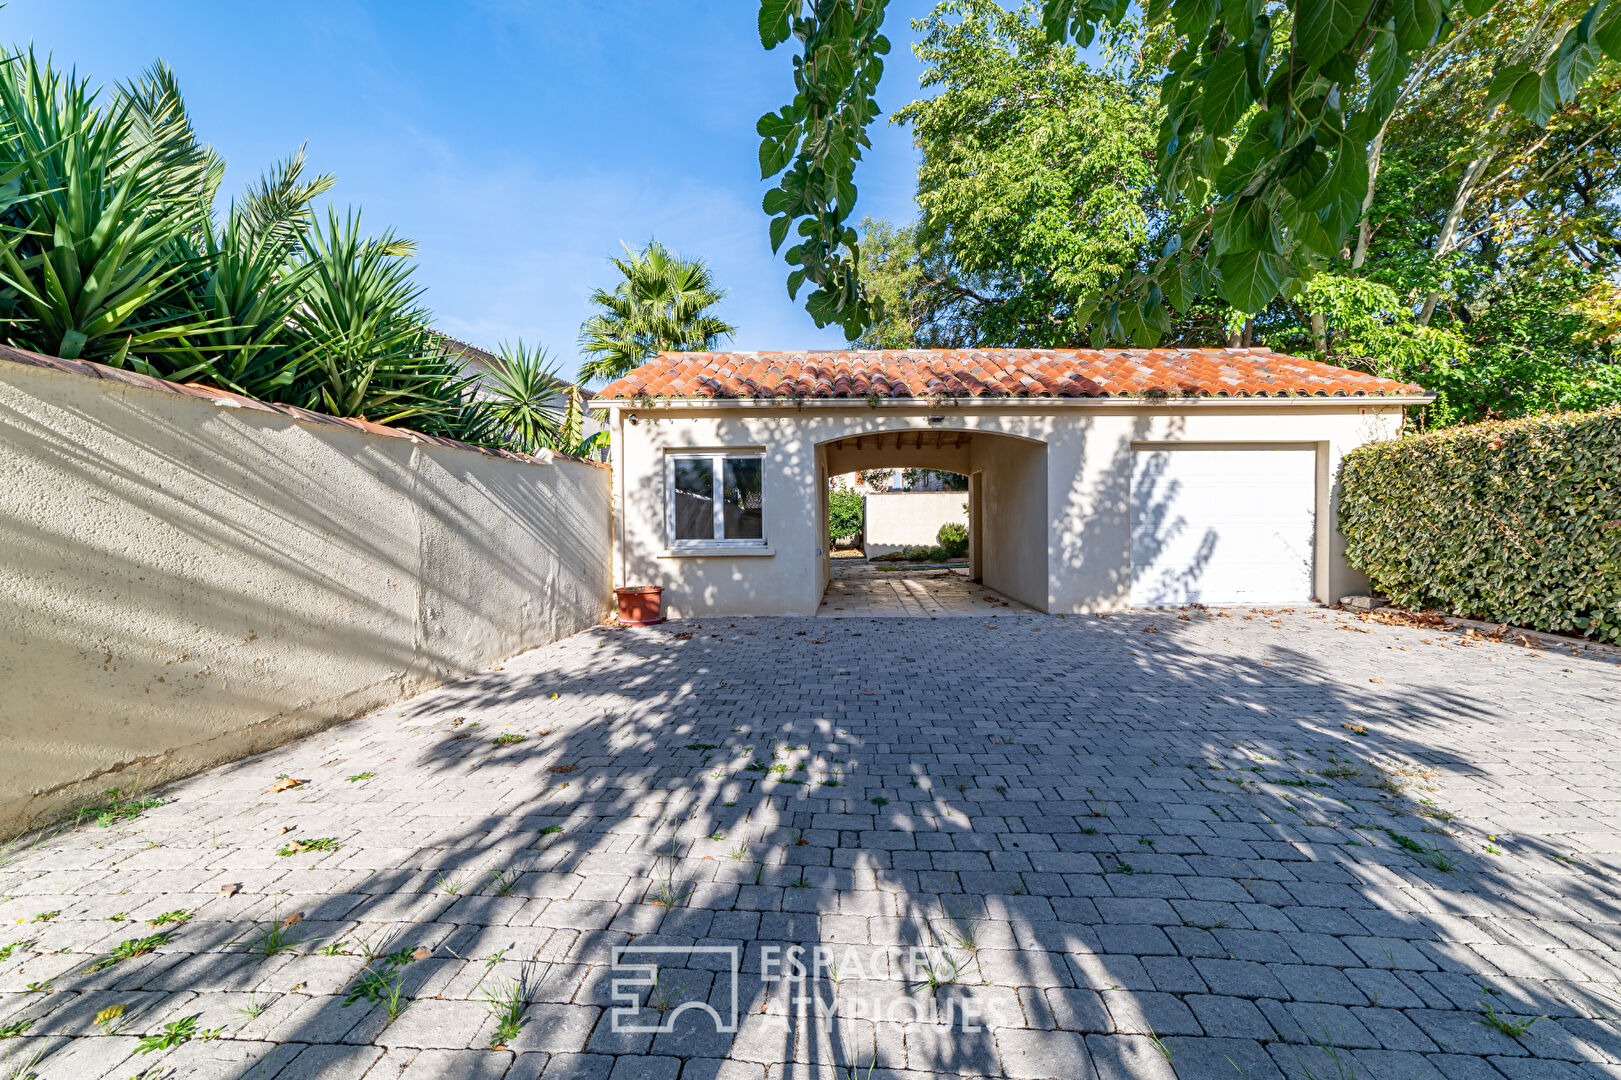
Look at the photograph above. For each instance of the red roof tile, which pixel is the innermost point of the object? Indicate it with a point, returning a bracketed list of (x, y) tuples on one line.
[(996, 373)]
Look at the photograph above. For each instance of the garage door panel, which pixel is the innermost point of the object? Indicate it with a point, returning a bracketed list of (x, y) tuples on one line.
[(1222, 526)]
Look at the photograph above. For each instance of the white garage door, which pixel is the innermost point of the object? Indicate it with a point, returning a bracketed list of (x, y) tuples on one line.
[(1222, 526)]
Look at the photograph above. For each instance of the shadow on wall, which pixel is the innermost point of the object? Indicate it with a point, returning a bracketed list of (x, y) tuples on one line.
[(186, 583), (1157, 528), (1091, 546), (1025, 846)]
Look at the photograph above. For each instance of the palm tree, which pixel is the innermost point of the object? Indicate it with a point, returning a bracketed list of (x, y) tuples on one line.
[(662, 304)]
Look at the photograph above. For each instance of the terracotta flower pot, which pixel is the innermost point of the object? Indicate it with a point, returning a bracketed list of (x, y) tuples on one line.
[(639, 604)]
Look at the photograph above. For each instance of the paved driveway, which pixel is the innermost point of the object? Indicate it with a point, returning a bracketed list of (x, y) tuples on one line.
[(1240, 846)]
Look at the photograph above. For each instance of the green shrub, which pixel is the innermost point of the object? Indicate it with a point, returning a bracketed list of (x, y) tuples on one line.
[(846, 515), (1516, 521), (953, 540)]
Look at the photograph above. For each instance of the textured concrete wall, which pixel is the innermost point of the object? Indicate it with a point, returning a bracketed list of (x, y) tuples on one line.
[(182, 584), (902, 519)]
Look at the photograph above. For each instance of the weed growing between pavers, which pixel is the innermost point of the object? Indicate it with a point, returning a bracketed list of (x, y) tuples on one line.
[(111, 1019), (175, 1034), (119, 807), (320, 843), (383, 981), (271, 939), (168, 918), (508, 1001), (129, 950)]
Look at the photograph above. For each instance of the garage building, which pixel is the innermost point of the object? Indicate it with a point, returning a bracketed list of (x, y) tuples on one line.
[(1098, 479)]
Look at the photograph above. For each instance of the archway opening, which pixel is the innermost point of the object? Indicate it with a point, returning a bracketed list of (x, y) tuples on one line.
[(931, 521)]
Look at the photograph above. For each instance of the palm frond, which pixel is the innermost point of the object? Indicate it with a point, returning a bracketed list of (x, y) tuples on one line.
[(662, 303), (275, 213), (160, 131)]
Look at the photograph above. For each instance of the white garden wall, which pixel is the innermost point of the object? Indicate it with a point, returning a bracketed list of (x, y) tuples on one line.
[(903, 519), (186, 579)]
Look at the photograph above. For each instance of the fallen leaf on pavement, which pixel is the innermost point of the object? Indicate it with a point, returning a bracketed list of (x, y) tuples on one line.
[(286, 783)]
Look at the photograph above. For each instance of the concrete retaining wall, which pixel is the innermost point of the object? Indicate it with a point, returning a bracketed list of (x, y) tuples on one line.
[(183, 584)]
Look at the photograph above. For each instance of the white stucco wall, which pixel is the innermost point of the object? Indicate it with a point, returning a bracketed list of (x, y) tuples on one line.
[(184, 583), (1057, 514), (902, 519)]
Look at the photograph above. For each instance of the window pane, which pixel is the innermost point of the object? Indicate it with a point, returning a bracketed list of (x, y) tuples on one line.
[(694, 499), (743, 500)]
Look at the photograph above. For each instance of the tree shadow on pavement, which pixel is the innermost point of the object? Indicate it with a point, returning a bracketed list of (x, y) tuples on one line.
[(1191, 843)]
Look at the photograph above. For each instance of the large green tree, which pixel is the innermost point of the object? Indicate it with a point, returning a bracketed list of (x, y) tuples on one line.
[(1492, 241), (1034, 185), (1272, 111), (662, 303)]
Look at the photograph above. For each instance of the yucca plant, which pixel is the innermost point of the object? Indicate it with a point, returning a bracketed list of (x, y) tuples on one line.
[(245, 281), (92, 247), (371, 355), (110, 250), (527, 396)]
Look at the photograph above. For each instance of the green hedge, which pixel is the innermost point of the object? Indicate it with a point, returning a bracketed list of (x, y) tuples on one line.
[(1517, 522)]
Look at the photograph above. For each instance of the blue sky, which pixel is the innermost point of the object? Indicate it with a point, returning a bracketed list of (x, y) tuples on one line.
[(518, 141)]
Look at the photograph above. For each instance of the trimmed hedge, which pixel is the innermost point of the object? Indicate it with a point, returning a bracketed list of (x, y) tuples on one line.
[(1516, 521)]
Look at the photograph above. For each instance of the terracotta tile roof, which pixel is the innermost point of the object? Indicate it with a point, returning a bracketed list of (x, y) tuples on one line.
[(995, 373)]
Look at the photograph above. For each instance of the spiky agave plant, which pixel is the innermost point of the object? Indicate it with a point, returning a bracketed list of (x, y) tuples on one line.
[(371, 355), (91, 247), (527, 396)]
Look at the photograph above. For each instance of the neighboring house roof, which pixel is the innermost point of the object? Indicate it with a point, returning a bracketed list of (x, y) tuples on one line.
[(995, 373), (481, 359)]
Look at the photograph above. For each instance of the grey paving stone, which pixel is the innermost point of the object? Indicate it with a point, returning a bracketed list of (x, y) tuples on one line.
[(1044, 1055), (1264, 912), (1130, 1057), (1229, 1017)]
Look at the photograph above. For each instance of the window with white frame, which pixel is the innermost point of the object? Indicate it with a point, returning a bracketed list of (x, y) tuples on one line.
[(714, 499)]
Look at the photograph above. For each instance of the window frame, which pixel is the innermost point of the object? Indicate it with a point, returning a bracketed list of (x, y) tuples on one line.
[(717, 478)]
